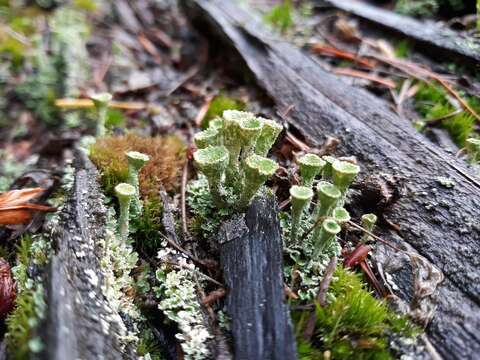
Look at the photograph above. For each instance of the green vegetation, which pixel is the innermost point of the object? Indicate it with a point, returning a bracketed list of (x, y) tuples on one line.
[(167, 157), (354, 325), (430, 8), (229, 158), (30, 303), (281, 16), (432, 102), (219, 104), (48, 70)]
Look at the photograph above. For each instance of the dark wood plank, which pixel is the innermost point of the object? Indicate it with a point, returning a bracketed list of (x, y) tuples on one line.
[(439, 223), (80, 322), (251, 257), (428, 33)]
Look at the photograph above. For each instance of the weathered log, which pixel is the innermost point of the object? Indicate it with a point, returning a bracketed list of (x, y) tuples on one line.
[(80, 323), (438, 222), (428, 34), (251, 257)]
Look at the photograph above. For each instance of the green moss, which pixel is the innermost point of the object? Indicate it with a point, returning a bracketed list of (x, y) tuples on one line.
[(403, 48), (148, 344), (417, 7), (354, 325), (432, 103), (219, 104), (30, 303), (167, 157), (147, 226), (280, 16)]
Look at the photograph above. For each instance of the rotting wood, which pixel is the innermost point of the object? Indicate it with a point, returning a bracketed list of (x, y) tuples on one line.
[(251, 257), (80, 323), (438, 222), (429, 34)]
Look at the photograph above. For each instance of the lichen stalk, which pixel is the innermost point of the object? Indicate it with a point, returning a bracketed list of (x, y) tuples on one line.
[(268, 136), (340, 215), (368, 223), (328, 229), (136, 161), (208, 137), (125, 193), (212, 162), (300, 196), (231, 136), (310, 166), (472, 146), (328, 196), (343, 174), (257, 169), (100, 101), (249, 130)]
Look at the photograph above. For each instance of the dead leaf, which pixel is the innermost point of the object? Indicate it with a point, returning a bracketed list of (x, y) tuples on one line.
[(15, 207), (8, 291)]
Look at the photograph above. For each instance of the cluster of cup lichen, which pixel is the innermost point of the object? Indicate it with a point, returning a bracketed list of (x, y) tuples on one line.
[(311, 236), (232, 156)]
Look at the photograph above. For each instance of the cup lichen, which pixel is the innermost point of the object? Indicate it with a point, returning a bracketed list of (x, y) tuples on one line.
[(300, 196), (100, 101), (242, 136), (212, 162), (136, 160), (125, 193), (310, 166), (328, 229), (343, 173)]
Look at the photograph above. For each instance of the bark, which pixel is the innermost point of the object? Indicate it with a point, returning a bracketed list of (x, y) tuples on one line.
[(251, 256), (80, 323), (429, 35), (439, 223)]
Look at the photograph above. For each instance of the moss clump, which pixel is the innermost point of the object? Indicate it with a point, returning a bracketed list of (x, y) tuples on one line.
[(219, 104), (280, 16), (30, 303), (145, 228), (432, 103), (167, 157), (354, 325)]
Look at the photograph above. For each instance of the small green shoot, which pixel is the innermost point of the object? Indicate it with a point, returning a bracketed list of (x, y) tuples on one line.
[(281, 16)]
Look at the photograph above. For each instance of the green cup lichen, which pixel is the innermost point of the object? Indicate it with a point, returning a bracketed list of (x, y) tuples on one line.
[(205, 138), (340, 215), (257, 170), (136, 160), (212, 162), (300, 196), (249, 131), (327, 168), (343, 173), (310, 166), (472, 146), (125, 193), (241, 136), (100, 101), (328, 196), (268, 136), (328, 229), (368, 223)]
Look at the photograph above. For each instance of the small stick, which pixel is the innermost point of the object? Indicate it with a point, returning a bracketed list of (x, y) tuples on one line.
[(376, 237), (183, 200), (209, 264), (321, 297), (214, 296)]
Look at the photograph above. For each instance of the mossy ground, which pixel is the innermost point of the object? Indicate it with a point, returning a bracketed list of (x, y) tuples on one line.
[(354, 324), (432, 102), (167, 158)]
